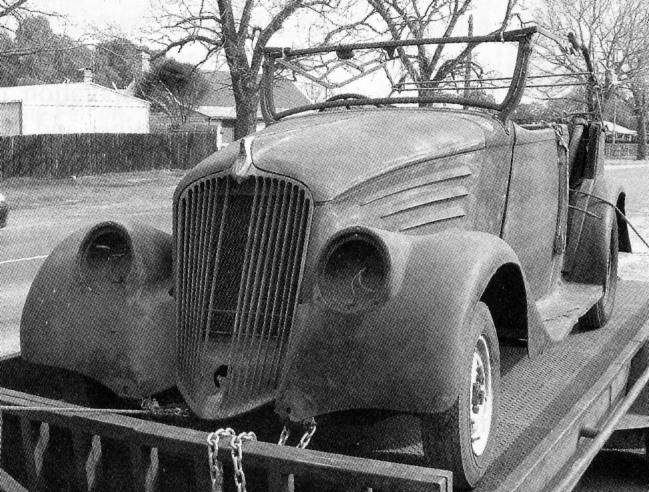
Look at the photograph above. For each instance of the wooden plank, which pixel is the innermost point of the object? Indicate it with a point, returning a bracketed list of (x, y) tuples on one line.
[(9, 484), (175, 441), (81, 446), (116, 467), (140, 458), (203, 480), (57, 469), (280, 482), (11, 450), (30, 433)]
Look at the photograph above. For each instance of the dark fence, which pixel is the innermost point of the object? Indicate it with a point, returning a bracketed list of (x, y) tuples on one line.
[(59, 156)]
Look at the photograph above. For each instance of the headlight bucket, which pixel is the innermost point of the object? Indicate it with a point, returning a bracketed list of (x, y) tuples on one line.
[(105, 256), (353, 273)]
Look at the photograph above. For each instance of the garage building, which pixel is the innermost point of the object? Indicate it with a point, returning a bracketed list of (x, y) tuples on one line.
[(83, 107)]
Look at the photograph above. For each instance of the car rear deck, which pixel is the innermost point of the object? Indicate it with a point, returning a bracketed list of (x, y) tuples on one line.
[(553, 409)]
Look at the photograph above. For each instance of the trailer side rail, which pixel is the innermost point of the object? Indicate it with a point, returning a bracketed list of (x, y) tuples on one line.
[(155, 456)]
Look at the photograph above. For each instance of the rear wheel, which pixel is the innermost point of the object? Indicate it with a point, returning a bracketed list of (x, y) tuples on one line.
[(601, 312), (462, 438)]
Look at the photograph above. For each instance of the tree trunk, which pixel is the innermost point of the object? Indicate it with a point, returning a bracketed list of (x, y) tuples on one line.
[(244, 88), (246, 104), (640, 103), (642, 135)]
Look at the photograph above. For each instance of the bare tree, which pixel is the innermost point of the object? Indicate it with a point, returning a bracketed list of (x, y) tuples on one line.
[(617, 37), (173, 88), (240, 31), (13, 12), (418, 19)]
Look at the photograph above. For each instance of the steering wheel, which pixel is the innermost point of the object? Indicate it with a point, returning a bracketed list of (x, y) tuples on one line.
[(347, 95)]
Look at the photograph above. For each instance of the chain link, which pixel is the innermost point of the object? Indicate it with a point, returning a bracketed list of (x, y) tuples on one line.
[(216, 469), (237, 458), (283, 437), (306, 437), (152, 406)]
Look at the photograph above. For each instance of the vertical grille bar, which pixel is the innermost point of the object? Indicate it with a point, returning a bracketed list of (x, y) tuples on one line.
[(199, 263), (180, 272), (209, 238), (265, 343), (247, 275), (289, 297), (240, 254), (263, 289), (185, 295)]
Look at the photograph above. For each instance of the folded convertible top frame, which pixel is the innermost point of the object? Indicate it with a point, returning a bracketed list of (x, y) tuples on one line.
[(523, 37)]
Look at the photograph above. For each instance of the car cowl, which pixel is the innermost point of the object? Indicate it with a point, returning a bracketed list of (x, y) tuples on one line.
[(333, 152)]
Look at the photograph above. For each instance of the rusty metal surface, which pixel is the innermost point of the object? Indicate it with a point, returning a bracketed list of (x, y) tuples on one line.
[(112, 320), (240, 252), (333, 152), (536, 394), (530, 233)]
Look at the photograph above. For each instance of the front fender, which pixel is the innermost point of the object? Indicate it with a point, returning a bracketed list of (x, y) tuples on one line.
[(405, 355), (100, 306)]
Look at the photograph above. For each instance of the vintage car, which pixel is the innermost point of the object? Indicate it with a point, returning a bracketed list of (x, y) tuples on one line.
[(352, 255), (4, 211)]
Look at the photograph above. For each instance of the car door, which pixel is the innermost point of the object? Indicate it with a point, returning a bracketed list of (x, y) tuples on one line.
[(534, 222)]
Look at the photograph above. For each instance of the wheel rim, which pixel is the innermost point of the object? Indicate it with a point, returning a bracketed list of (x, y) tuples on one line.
[(481, 397)]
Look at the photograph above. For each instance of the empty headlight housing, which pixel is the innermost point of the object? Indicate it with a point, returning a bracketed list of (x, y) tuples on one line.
[(105, 256), (353, 273)]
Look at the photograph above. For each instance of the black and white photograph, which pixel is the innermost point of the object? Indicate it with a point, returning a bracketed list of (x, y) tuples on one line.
[(324, 245)]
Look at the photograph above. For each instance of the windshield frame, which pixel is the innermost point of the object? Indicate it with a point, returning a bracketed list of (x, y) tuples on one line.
[(504, 109)]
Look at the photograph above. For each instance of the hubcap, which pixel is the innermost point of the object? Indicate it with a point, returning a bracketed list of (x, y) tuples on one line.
[(481, 397)]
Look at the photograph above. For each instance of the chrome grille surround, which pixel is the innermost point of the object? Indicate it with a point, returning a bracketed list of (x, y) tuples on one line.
[(240, 247)]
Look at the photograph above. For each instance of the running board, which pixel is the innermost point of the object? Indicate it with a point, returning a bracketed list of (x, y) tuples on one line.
[(561, 310)]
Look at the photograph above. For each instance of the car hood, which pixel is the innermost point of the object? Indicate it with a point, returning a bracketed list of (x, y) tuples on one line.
[(333, 152)]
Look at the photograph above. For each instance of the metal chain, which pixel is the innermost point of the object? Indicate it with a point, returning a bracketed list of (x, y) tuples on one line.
[(152, 406), (306, 437), (216, 469), (283, 437), (237, 458)]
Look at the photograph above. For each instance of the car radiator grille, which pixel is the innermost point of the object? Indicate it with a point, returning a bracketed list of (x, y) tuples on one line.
[(240, 251)]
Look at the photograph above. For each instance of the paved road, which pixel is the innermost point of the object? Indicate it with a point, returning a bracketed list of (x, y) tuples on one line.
[(44, 215), (35, 229)]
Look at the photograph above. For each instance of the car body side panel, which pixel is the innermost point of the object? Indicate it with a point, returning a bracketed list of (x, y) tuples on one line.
[(532, 208), (404, 355), (120, 334), (590, 219)]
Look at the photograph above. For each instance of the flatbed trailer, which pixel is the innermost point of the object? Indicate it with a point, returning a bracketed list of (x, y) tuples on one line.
[(557, 412)]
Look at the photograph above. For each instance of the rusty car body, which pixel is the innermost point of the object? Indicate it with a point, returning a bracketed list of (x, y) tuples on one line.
[(4, 211), (348, 259)]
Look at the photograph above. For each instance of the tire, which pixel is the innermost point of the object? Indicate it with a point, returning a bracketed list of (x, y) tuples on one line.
[(447, 436), (601, 312)]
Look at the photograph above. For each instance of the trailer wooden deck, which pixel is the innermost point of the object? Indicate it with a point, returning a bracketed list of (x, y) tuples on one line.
[(556, 412)]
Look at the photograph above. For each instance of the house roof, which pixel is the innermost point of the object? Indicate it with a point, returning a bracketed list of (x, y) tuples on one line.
[(220, 94), (73, 94), (619, 129)]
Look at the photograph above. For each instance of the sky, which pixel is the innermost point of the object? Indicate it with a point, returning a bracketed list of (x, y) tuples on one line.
[(133, 17)]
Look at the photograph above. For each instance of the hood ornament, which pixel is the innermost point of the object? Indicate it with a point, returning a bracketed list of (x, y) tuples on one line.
[(243, 162)]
